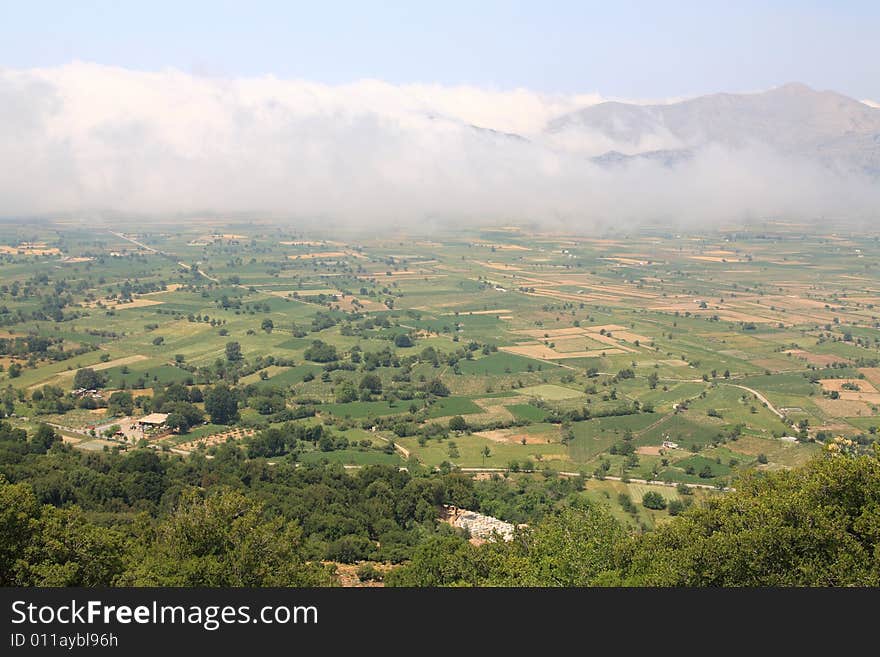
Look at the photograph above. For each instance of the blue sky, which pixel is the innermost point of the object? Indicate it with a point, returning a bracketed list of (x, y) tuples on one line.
[(630, 49)]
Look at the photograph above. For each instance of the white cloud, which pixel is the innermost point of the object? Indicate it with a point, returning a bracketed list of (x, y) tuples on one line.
[(85, 138)]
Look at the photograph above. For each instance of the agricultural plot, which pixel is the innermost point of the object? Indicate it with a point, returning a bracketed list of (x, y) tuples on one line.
[(565, 352)]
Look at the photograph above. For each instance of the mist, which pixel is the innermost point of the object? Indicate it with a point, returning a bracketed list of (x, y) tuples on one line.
[(88, 140)]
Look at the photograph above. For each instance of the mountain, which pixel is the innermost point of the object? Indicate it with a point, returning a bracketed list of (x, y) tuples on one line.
[(793, 120)]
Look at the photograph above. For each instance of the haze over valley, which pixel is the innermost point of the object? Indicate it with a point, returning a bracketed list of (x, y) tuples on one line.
[(95, 141)]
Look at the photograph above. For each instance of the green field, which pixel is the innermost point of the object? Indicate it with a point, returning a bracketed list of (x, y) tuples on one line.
[(614, 357)]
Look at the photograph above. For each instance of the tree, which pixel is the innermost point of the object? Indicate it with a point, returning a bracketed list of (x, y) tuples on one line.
[(182, 416), (572, 547), (439, 561), (485, 453), (88, 379), (267, 325), (8, 401), (458, 423), (14, 370), (41, 545), (221, 404), (676, 507), (120, 403), (346, 393), (233, 352), (653, 500), (576, 546), (321, 352), (44, 437), (438, 388), (403, 340), (222, 540), (812, 526), (372, 383), (177, 422)]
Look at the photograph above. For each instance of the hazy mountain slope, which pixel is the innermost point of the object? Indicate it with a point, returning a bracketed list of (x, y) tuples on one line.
[(792, 119)]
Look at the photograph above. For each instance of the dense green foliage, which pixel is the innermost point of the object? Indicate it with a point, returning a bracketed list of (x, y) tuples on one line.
[(815, 526), (141, 518)]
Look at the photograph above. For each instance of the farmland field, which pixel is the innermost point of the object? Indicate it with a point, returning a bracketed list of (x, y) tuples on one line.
[(577, 356)]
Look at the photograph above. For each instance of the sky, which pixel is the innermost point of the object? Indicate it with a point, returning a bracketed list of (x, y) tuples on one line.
[(636, 50)]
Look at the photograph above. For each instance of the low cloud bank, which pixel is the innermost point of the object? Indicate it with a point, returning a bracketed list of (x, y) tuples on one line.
[(87, 139)]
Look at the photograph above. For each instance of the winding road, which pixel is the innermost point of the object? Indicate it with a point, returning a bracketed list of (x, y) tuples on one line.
[(761, 398)]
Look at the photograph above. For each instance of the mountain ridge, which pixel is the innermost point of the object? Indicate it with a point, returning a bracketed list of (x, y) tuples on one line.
[(793, 119)]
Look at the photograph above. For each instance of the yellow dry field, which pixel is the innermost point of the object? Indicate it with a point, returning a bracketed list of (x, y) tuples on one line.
[(272, 370), (308, 243), (843, 407), (872, 374), (680, 306), (535, 350), (69, 374), (363, 304), (313, 293), (837, 384), (322, 254), (418, 273), (630, 337), (493, 410), (171, 287), (30, 250), (794, 303), (114, 304), (219, 236), (553, 333), (482, 312), (822, 359), (580, 343), (625, 261), (544, 352), (736, 316), (620, 290), (503, 247), (612, 341), (565, 296), (649, 450), (143, 392), (704, 258), (601, 242), (513, 437), (607, 327), (869, 397), (497, 265)]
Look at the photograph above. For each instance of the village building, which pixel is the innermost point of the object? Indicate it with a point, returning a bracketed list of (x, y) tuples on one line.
[(153, 421)]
